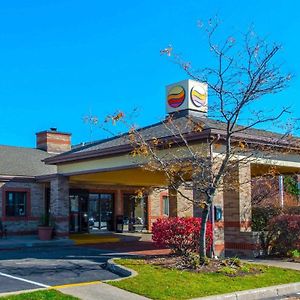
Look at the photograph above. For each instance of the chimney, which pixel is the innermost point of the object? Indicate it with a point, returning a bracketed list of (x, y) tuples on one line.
[(53, 141), (187, 97)]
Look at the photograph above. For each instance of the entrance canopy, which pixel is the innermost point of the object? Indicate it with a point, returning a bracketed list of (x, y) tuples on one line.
[(261, 170), (129, 177)]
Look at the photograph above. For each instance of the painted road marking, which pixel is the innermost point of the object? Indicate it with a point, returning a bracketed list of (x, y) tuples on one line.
[(25, 280), (74, 284)]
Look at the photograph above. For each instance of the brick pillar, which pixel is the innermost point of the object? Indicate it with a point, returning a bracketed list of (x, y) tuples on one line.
[(185, 206), (239, 240), (173, 201), (219, 243), (119, 207), (59, 205)]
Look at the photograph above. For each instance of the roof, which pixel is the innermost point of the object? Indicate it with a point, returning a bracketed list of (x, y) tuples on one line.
[(21, 161), (121, 144)]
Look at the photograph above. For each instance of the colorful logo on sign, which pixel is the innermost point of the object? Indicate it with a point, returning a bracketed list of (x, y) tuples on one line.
[(198, 96), (176, 96)]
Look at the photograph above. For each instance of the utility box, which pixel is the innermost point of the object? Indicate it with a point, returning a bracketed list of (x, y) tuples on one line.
[(218, 213)]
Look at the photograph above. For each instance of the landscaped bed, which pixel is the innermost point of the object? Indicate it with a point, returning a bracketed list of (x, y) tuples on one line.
[(40, 295), (165, 278)]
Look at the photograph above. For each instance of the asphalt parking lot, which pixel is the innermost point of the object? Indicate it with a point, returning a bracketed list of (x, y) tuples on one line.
[(33, 268)]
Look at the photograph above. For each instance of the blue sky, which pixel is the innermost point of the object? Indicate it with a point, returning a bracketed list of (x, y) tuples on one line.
[(61, 59)]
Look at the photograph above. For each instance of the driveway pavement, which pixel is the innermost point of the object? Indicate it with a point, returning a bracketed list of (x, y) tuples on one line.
[(44, 267)]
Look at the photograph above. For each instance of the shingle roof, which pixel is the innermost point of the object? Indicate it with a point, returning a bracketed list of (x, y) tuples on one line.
[(158, 130), (20, 161)]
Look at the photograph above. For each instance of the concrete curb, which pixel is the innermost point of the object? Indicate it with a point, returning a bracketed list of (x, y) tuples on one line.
[(256, 294), (113, 267)]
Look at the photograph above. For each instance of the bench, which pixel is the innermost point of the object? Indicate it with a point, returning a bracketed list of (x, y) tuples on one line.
[(3, 230)]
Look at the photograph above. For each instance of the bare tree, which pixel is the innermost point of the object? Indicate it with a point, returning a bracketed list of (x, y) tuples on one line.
[(243, 73), (202, 153)]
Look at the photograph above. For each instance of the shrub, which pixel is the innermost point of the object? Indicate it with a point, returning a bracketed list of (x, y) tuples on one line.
[(232, 262), (284, 234), (294, 253), (261, 216), (181, 235), (292, 210), (229, 271), (245, 269), (190, 260)]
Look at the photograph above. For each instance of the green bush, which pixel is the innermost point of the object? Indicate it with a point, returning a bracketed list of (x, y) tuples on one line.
[(227, 271), (294, 253), (261, 216), (245, 269)]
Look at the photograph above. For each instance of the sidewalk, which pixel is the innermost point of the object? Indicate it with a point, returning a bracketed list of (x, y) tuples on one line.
[(18, 242), (101, 291), (275, 263)]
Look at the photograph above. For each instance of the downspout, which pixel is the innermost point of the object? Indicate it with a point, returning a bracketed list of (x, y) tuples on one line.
[(281, 190)]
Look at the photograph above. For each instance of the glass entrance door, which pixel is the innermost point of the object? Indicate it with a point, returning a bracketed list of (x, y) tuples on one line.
[(78, 211), (135, 212), (101, 211)]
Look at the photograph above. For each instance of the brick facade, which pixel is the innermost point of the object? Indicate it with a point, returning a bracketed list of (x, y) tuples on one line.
[(232, 234), (35, 204)]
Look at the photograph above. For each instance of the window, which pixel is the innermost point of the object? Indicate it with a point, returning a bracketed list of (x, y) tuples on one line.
[(165, 203), (16, 204)]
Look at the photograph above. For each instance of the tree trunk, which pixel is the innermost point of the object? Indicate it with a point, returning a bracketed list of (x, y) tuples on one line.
[(202, 237)]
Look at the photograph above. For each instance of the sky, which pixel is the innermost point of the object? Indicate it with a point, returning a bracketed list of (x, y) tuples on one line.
[(61, 60)]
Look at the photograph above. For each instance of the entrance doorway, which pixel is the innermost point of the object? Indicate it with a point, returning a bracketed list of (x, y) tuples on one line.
[(101, 211), (90, 212), (78, 211)]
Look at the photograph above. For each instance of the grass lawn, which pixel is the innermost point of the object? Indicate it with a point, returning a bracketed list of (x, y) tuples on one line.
[(160, 283), (40, 295)]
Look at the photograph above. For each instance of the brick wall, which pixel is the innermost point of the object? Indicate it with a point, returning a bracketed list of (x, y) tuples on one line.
[(27, 224), (179, 206), (239, 240)]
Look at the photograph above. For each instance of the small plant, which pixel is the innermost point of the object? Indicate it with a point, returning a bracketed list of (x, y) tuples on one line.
[(46, 220), (229, 271), (245, 269), (190, 260), (294, 253), (233, 262)]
